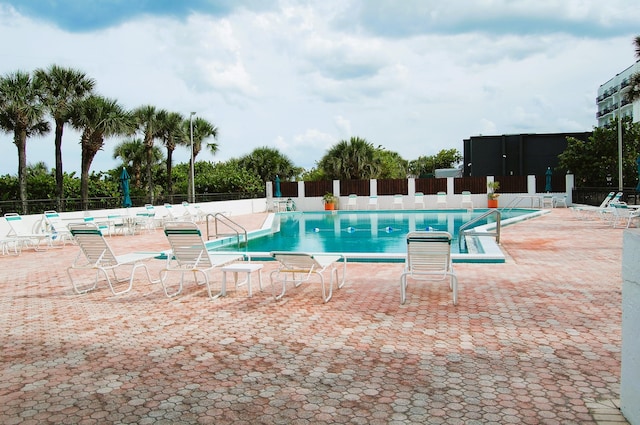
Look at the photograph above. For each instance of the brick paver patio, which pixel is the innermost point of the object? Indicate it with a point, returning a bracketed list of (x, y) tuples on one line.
[(535, 341)]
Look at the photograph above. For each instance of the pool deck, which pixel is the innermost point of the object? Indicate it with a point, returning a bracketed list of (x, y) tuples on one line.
[(534, 340)]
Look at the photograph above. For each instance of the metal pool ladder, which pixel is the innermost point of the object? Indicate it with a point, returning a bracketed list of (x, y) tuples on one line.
[(465, 229), (235, 229)]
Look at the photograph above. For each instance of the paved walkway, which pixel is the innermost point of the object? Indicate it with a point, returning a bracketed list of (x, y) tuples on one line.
[(535, 341)]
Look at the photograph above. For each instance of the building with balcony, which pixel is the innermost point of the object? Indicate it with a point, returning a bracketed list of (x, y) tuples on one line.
[(612, 100)]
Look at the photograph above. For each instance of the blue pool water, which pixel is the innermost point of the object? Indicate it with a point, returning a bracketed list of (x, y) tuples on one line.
[(375, 232)]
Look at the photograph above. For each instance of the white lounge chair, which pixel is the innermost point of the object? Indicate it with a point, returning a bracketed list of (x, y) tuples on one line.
[(560, 201), (441, 200), (352, 202), (623, 215), (175, 213), (9, 244), (300, 267), (102, 225), (189, 254), (428, 258), (398, 201), (373, 202), (58, 229), (25, 234), (95, 254), (587, 211), (147, 220), (466, 203), (193, 212), (547, 201), (418, 200)]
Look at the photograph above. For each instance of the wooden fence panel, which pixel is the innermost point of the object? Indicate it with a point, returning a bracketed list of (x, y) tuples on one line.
[(289, 189), (474, 185), (393, 187), (558, 183), (511, 184), (356, 187), (431, 186), (319, 188)]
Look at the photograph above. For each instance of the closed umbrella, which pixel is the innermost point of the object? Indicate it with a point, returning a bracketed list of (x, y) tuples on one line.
[(547, 185), (278, 194), (124, 185)]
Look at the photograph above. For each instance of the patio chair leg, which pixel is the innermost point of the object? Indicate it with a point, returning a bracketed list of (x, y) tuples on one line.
[(324, 296), (403, 288), (273, 290), (75, 286), (163, 280)]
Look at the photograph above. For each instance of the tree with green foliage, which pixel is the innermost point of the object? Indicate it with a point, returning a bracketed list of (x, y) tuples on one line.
[(22, 113), (133, 154), (97, 118), (172, 133), (267, 163), (594, 160), (313, 175), (427, 165), (147, 121), (61, 88), (633, 93), (202, 130), (392, 165), (199, 130), (221, 177), (355, 159)]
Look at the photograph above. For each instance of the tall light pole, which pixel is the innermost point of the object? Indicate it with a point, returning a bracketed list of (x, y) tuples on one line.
[(192, 189), (620, 185)]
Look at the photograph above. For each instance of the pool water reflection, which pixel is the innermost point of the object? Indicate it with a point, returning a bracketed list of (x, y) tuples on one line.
[(358, 233)]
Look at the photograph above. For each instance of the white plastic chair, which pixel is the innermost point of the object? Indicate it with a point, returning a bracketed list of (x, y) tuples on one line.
[(189, 254), (466, 203), (441, 200), (418, 200), (95, 254), (623, 216), (560, 201), (352, 202), (547, 201), (58, 229), (102, 226), (25, 234), (428, 258), (398, 201), (300, 267), (9, 244), (373, 202)]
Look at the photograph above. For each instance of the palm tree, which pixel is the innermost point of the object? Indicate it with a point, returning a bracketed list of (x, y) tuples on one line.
[(172, 134), (132, 153), (22, 113), (97, 117), (633, 93), (203, 129), (146, 118), (355, 159), (62, 87), (200, 129), (267, 163)]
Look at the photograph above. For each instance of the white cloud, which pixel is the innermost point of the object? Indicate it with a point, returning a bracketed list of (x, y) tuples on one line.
[(343, 125), (415, 76)]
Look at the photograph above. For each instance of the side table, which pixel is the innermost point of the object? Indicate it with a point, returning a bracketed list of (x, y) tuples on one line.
[(236, 268)]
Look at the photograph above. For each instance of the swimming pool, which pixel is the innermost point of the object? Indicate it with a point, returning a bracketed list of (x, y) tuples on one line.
[(368, 235)]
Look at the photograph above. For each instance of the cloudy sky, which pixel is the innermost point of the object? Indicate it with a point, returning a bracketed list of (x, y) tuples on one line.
[(413, 76)]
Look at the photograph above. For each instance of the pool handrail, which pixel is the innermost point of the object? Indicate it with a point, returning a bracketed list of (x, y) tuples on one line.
[(463, 232), (236, 228)]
